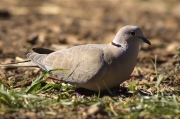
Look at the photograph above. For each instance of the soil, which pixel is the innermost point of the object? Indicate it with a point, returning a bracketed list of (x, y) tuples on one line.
[(61, 24)]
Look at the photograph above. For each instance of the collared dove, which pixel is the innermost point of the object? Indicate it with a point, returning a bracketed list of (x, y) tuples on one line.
[(94, 66)]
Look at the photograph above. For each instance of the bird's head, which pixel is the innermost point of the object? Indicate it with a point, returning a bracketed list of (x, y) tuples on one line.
[(130, 35)]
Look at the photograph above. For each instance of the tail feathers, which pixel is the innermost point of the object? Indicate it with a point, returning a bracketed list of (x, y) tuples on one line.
[(37, 59), (27, 63)]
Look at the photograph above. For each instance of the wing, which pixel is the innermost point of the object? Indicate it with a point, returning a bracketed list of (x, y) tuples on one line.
[(82, 63)]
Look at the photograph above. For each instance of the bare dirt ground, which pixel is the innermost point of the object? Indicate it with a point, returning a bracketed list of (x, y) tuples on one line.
[(54, 24)]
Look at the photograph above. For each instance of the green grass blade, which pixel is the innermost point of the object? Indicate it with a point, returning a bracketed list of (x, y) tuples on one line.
[(160, 78)]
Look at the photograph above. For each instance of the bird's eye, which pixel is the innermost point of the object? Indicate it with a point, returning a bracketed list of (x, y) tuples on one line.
[(132, 33)]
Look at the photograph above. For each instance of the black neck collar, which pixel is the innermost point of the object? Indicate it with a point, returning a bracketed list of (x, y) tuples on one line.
[(117, 45)]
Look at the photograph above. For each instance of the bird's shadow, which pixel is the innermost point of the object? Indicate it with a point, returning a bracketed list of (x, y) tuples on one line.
[(123, 91)]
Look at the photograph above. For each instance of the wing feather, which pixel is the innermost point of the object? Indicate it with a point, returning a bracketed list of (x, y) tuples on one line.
[(82, 63)]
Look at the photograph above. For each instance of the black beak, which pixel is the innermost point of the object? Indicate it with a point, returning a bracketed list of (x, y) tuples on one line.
[(145, 40)]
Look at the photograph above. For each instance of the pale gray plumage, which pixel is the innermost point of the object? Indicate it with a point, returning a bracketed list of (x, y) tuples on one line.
[(94, 66)]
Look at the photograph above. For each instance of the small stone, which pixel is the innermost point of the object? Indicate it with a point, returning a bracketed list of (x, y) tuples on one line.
[(92, 110)]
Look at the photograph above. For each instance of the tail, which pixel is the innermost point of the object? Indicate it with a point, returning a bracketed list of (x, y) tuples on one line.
[(27, 63), (36, 59)]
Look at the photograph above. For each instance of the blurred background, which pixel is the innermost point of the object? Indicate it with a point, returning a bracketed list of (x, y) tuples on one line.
[(58, 24)]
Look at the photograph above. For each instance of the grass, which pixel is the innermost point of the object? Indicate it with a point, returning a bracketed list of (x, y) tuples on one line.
[(60, 100)]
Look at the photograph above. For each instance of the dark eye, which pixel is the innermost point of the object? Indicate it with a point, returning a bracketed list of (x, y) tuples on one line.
[(132, 33)]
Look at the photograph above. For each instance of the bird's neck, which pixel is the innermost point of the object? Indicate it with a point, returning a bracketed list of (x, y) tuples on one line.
[(132, 49), (124, 48)]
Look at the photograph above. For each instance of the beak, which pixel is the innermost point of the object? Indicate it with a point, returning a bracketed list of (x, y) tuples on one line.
[(145, 40)]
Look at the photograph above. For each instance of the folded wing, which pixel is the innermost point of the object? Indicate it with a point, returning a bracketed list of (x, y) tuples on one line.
[(82, 63)]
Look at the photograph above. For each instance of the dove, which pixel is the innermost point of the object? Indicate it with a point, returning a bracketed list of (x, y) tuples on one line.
[(93, 66)]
